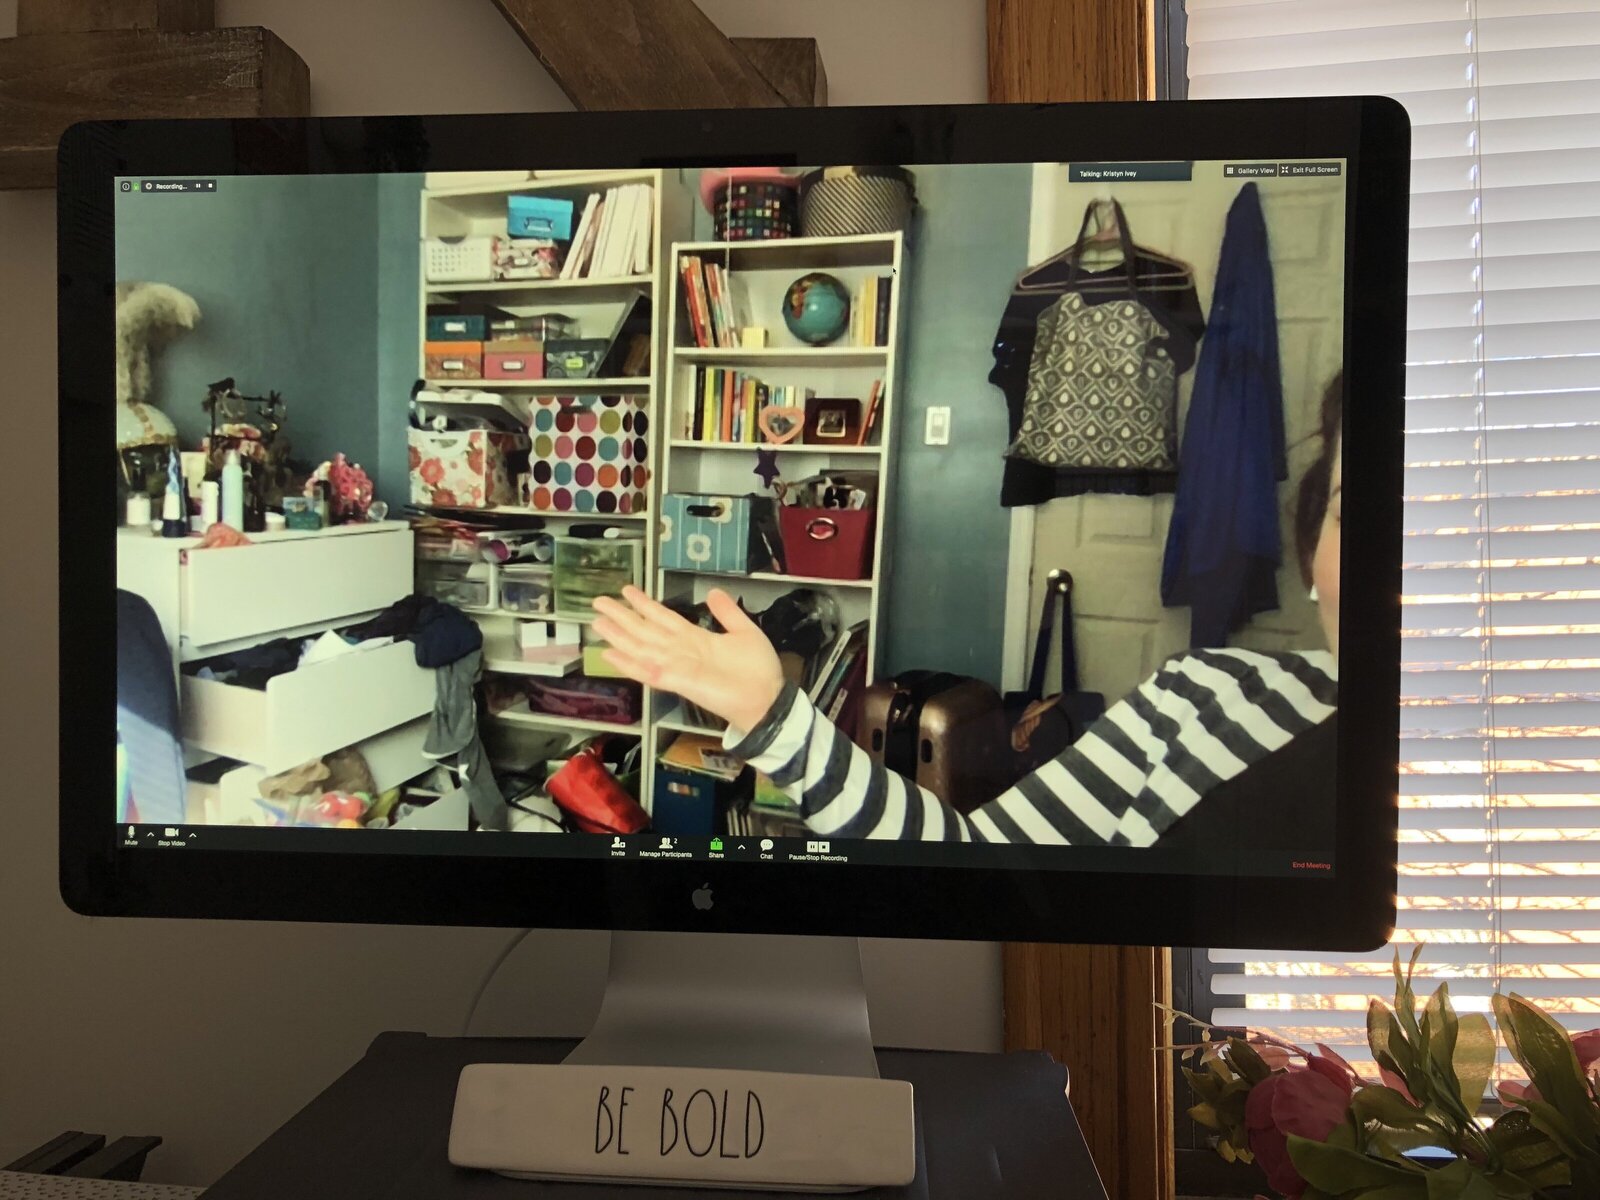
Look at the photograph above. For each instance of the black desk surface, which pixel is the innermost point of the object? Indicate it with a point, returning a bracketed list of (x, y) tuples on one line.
[(988, 1125)]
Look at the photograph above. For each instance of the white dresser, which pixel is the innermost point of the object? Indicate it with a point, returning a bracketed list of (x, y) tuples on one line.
[(286, 584)]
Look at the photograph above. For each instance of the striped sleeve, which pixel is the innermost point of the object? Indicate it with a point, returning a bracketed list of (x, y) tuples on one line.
[(1152, 757)]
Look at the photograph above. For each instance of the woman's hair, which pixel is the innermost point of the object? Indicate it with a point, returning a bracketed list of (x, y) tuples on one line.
[(1312, 504)]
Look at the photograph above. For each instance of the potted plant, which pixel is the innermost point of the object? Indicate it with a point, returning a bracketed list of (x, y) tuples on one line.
[(1320, 1130)]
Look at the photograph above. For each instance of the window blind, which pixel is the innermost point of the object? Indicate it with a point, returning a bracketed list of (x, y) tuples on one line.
[(1500, 749)]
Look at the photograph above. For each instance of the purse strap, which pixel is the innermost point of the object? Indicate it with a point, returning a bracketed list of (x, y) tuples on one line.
[(1124, 236), (1057, 596)]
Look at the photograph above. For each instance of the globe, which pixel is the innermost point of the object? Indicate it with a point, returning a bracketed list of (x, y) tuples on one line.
[(816, 308)]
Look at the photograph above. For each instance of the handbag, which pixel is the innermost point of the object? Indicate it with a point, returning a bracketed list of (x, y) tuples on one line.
[(1102, 388), (1044, 726)]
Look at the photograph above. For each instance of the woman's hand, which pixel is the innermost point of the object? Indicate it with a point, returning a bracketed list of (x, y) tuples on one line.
[(734, 674)]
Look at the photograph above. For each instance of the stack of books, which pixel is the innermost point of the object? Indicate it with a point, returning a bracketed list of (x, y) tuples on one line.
[(728, 405), (869, 311), (715, 314), (613, 236), (842, 678)]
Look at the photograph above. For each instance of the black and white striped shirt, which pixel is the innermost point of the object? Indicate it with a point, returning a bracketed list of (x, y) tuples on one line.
[(1199, 721)]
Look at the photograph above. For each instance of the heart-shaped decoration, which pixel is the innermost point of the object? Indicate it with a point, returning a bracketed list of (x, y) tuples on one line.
[(782, 424)]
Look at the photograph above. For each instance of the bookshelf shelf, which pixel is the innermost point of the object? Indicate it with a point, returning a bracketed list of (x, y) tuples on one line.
[(787, 356), (507, 288), (800, 254), (634, 384), (789, 448), (522, 715)]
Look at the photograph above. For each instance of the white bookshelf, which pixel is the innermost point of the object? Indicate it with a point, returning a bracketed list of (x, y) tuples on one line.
[(597, 304), (762, 273)]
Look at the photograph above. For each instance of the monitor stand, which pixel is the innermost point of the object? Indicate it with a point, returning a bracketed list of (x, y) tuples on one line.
[(717, 1060)]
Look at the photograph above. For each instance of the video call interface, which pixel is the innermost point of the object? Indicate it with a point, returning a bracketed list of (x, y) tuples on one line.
[(955, 515)]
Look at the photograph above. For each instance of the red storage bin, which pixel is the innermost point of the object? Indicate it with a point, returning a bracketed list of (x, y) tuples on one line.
[(827, 543)]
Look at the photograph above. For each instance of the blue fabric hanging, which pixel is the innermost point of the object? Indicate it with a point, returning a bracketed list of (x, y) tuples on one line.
[(1224, 546)]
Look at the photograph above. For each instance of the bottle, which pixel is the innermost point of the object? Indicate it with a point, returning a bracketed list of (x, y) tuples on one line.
[(233, 492), (210, 503), (255, 508)]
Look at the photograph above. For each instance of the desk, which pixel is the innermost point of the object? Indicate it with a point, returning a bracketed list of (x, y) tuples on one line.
[(996, 1126)]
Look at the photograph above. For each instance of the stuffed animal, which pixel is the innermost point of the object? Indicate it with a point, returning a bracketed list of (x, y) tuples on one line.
[(149, 315)]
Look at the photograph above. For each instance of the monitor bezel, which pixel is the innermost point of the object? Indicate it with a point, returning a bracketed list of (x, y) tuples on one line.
[(1354, 910)]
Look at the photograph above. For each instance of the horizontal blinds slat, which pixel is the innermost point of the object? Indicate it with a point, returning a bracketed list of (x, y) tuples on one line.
[(1505, 239), (1505, 444), (1426, 378), (1503, 412), (1297, 17)]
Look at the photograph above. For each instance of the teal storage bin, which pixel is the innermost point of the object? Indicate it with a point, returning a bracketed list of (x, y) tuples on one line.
[(727, 535), (546, 217), (457, 327)]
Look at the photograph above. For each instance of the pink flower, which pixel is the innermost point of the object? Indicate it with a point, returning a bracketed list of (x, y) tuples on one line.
[(1308, 1101), (432, 472), (415, 456), (1585, 1045)]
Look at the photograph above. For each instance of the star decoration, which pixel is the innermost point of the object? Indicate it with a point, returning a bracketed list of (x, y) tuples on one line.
[(767, 466)]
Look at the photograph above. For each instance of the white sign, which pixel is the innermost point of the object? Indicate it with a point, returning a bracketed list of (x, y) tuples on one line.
[(756, 1128)]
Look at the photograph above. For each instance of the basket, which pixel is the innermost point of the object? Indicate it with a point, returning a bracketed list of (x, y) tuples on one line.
[(852, 201), (827, 543), (753, 211)]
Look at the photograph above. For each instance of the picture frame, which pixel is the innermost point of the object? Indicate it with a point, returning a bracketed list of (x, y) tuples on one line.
[(832, 421)]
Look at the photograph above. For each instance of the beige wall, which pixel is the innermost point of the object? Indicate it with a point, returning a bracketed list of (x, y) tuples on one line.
[(210, 1034)]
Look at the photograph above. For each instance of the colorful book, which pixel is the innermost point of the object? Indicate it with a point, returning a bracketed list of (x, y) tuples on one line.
[(869, 420), (726, 431), (697, 405), (709, 420)]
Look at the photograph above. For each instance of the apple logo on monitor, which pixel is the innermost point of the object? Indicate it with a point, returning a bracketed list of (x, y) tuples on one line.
[(702, 897)]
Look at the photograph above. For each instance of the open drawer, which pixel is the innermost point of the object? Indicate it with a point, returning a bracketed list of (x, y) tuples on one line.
[(293, 581), (306, 713)]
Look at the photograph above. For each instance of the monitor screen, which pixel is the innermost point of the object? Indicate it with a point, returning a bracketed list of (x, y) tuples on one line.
[(850, 516)]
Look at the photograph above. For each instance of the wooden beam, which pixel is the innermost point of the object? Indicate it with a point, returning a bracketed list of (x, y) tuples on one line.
[(1046, 51), (628, 54), (1092, 1007), (86, 16), (793, 66), (50, 81)]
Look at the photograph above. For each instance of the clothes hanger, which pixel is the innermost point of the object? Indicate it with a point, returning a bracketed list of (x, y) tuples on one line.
[(1105, 214)]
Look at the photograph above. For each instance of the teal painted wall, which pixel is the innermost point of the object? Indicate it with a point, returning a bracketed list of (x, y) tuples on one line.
[(283, 269), (946, 609), (398, 349)]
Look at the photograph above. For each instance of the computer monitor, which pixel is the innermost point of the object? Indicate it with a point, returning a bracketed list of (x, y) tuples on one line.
[(918, 522), (360, 415)]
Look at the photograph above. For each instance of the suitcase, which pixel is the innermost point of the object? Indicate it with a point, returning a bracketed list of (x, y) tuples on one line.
[(945, 731)]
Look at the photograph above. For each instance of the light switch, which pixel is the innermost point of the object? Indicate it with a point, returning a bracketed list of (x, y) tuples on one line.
[(937, 431)]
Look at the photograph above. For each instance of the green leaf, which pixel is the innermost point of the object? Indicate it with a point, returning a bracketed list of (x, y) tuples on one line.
[(1473, 1061), (1243, 1058), (1412, 1189), (1388, 1107), (1543, 1047), (1337, 1170), (1459, 1180)]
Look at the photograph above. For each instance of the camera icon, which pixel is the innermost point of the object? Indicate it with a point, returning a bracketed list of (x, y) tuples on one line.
[(126, 186)]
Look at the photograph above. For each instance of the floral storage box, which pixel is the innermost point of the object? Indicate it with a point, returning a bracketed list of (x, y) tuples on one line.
[(588, 455), (471, 469)]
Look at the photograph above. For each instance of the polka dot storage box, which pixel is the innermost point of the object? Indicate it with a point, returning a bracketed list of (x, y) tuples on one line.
[(588, 455)]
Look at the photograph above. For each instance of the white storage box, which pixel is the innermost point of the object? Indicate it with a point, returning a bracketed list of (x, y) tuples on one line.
[(460, 259)]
